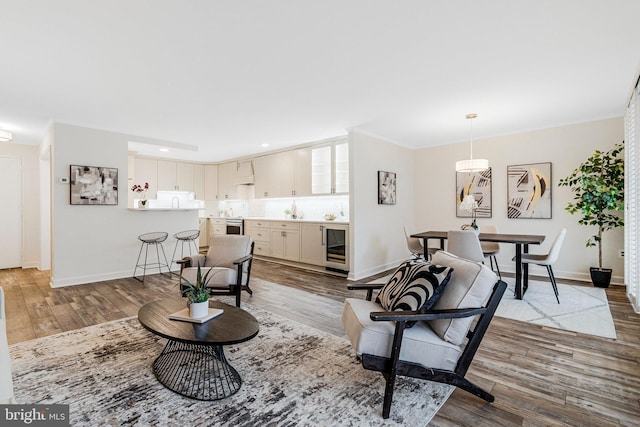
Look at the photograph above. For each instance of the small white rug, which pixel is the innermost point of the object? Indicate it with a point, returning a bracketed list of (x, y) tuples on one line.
[(582, 309)]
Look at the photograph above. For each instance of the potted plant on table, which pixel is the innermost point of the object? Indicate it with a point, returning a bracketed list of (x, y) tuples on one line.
[(197, 294), (598, 186)]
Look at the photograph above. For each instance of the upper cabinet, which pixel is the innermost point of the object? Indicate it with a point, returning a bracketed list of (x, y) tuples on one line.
[(175, 176), (211, 182), (227, 188), (167, 175), (146, 170), (283, 174), (330, 169), (199, 182)]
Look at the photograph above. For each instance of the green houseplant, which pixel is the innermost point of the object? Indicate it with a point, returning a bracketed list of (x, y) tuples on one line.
[(598, 187), (197, 294)]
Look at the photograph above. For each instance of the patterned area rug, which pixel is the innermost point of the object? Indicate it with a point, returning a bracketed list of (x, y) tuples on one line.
[(293, 375), (582, 309)]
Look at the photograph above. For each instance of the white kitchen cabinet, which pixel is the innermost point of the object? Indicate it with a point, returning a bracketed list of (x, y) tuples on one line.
[(167, 180), (227, 188), (217, 226), (203, 238), (275, 175), (198, 181), (283, 174), (330, 169), (312, 245), (175, 176), (211, 182), (146, 170), (260, 233), (303, 172), (285, 240)]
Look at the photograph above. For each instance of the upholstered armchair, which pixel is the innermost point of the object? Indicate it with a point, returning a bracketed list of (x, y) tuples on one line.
[(435, 342), (230, 257)]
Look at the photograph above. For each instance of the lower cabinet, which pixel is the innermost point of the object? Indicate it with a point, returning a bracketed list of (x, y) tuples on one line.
[(312, 245), (285, 240), (260, 233)]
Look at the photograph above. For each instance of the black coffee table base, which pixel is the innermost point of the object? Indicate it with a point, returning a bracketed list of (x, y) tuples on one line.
[(196, 371)]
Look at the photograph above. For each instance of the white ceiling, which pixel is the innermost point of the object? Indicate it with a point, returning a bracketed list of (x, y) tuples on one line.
[(223, 77)]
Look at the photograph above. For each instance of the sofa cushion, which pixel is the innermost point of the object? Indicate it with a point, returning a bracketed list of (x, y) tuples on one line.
[(415, 285), (420, 344), (470, 286)]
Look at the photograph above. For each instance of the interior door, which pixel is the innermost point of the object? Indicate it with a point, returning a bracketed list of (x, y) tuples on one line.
[(11, 212)]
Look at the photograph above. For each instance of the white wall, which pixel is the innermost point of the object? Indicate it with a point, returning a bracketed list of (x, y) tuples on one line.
[(28, 155), (566, 147), (376, 233), (94, 243)]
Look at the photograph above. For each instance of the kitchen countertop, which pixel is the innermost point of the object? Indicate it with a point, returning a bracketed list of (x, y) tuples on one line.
[(263, 218), (164, 209), (336, 221)]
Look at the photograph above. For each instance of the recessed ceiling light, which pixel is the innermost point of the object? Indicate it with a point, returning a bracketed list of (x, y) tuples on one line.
[(5, 136), (164, 150), (264, 145)]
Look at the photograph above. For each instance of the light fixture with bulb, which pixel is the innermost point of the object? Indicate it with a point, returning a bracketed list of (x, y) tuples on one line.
[(5, 136), (471, 164)]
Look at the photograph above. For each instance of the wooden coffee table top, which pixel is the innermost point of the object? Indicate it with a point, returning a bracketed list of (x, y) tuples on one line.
[(231, 327)]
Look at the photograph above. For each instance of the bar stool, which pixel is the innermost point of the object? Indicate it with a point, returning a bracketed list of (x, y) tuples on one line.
[(185, 237), (148, 239)]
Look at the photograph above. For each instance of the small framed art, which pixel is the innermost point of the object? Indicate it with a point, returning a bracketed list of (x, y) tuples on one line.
[(386, 188)]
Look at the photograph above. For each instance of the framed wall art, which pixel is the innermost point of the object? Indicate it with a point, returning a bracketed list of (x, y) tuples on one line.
[(386, 188), (529, 190), (93, 185), (477, 184)]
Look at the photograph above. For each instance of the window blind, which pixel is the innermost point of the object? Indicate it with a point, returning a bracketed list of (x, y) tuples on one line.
[(632, 201)]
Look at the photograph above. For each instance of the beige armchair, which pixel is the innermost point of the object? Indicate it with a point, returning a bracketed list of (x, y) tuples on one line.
[(230, 257), (444, 339)]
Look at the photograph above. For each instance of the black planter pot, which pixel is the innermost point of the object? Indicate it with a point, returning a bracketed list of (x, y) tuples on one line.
[(601, 277)]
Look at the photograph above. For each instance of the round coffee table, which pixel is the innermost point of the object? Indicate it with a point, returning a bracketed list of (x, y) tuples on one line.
[(193, 363)]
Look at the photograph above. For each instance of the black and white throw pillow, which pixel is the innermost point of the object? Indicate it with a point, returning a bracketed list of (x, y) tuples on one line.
[(415, 285)]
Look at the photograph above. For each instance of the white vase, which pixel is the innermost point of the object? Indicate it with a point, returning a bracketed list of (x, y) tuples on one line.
[(198, 310)]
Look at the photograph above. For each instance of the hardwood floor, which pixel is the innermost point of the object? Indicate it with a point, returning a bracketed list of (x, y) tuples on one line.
[(540, 376)]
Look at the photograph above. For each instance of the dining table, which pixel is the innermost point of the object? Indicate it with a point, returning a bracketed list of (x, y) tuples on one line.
[(521, 242)]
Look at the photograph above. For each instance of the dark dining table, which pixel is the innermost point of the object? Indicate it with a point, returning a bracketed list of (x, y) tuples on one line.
[(521, 242)]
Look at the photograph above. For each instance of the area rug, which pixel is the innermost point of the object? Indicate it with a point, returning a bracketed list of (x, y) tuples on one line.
[(293, 375), (582, 309)]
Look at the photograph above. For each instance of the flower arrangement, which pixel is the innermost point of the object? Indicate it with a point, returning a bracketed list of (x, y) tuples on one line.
[(470, 205), (143, 190)]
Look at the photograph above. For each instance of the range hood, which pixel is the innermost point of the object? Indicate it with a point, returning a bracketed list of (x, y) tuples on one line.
[(244, 174)]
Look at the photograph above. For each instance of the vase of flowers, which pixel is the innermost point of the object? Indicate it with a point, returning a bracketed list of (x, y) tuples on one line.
[(469, 204), (142, 190)]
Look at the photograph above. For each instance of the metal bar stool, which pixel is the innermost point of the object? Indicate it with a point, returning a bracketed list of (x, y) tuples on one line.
[(182, 238), (147, 240)]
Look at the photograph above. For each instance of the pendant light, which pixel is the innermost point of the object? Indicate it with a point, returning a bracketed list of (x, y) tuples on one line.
[(471, 165)]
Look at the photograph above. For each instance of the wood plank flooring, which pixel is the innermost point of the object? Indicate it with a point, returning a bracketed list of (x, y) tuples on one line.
[(540, 376)]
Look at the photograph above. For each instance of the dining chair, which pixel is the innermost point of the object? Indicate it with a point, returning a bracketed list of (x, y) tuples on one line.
[(548, 259), (490, 249), (416, 246), (465, 244)]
